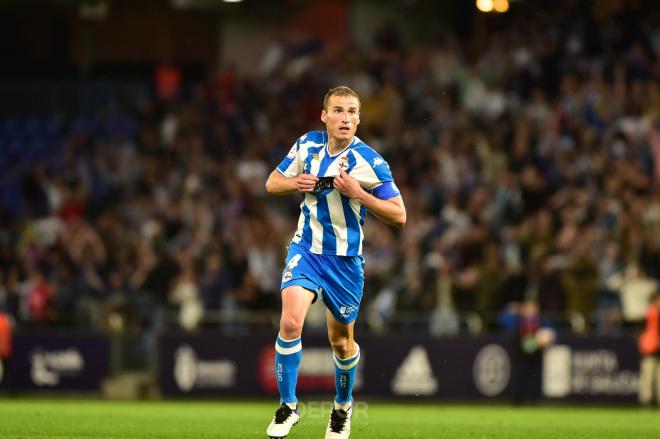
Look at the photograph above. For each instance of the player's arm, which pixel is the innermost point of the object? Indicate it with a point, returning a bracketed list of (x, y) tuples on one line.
[(391, 211), (278, 184)]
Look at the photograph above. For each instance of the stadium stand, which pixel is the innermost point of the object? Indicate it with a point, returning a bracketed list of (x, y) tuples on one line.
[(528, 154)]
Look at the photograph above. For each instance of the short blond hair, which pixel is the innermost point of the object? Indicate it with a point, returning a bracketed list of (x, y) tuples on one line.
[(342, 90)]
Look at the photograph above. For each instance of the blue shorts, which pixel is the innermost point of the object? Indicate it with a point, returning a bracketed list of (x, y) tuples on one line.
[(337, 279)]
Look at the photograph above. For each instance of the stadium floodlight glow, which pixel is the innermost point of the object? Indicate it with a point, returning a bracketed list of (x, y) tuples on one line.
[(501, 5), (485, 5)]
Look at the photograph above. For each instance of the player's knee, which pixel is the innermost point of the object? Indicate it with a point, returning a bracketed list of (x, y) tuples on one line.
[(291, 327)]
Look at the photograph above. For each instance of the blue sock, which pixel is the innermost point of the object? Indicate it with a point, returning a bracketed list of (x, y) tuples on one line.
[(345, 377), (288, 355)]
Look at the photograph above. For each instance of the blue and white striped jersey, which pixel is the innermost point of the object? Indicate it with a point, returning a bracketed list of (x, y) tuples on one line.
[(330, 223)]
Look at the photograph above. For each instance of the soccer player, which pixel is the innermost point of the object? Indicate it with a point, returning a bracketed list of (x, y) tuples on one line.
[(341, 178)]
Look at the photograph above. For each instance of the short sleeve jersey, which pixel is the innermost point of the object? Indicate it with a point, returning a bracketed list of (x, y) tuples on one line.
[(330, 223)]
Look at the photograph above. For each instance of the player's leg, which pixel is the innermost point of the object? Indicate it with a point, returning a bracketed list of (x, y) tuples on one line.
[(296, 301), (346, 355), (298, 293), (288, 348), (342, 284)]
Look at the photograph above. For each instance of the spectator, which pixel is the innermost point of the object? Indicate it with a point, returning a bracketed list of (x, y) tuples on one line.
[(635, 290), (533, 335), (512, 150), (649, 348)]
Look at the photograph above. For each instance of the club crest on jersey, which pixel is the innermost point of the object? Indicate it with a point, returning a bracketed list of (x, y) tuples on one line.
[(343, 163), (315, 156)]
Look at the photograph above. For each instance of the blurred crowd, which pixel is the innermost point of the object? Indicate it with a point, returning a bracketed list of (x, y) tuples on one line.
[(528, 156)]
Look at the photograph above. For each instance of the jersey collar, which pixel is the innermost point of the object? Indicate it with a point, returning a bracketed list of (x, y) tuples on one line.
[(327, 149)]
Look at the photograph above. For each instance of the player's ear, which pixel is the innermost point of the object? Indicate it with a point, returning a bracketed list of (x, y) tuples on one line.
[(324, 116)]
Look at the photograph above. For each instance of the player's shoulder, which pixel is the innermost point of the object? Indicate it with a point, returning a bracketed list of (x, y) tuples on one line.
[(366, 152), (312, 138)]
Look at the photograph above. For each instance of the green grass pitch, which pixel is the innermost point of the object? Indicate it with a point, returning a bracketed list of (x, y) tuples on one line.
[(93, 419)]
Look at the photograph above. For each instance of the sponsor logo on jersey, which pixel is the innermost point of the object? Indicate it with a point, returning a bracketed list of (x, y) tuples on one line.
[(378, 161)]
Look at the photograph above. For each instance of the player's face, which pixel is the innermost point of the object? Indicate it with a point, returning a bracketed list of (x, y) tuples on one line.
[(341, 117)]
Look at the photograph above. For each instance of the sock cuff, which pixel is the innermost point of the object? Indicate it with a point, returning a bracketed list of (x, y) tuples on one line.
[(288, 343), (348, 363), (288, 347), (343, 405)]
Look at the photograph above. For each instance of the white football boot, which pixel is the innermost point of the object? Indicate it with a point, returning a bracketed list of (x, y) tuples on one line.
[(283, 421), (339, 426)]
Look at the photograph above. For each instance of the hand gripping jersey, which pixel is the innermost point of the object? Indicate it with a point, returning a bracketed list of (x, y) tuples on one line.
[(330, 223)]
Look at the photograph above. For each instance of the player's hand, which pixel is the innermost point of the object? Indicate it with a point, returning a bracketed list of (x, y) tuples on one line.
[(306, 182), (347, 185)]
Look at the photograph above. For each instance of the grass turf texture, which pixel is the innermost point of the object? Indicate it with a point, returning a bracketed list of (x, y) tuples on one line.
[(91, 419)]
